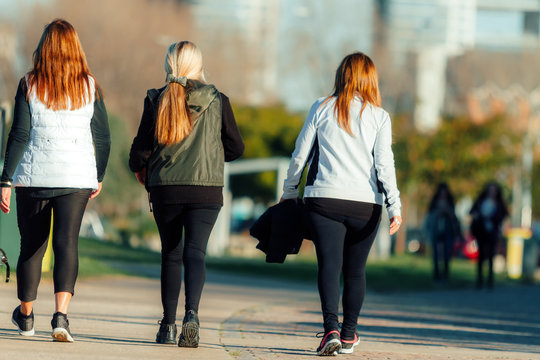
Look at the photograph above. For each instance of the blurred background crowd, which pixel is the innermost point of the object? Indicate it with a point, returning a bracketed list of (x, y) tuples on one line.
[(460, 79)]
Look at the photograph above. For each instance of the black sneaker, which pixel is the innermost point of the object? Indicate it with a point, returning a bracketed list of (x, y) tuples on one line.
[(166, 333), (24, 323), (347, 346), (330, 344), (190, 330), (60, 326)]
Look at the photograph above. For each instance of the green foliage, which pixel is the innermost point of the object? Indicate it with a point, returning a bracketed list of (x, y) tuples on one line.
[(464, 154), (121, 192), (267, 132), (536, 190)]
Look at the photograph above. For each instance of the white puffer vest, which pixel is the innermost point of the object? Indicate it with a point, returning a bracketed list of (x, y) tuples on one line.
[(60, 152)]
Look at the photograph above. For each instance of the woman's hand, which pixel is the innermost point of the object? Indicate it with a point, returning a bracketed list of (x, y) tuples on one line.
[(283, 199), (5, 202), (141, 176), (395, 223), (96, 192)]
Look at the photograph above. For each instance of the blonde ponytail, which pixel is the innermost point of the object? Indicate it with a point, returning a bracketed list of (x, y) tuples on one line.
[(174, 122)]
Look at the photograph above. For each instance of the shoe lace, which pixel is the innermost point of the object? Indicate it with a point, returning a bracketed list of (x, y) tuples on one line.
[(322, 334)]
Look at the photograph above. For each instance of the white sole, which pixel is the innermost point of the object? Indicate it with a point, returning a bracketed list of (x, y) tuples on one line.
[(351, 350), (61, 334), (23, 333), (331, 348)]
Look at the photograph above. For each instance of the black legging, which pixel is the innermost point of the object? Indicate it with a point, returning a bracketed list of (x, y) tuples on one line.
[(342, 243), (196, 221), (486, 251), (34, 219)]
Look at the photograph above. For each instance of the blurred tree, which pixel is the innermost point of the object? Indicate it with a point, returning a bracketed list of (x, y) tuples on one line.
[(463, 154), (121, 194), (124, 40), (536, 190), (267, 132)]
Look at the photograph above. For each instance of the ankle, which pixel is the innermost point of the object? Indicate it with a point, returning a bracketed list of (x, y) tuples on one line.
[(26, 309), (25, 315)]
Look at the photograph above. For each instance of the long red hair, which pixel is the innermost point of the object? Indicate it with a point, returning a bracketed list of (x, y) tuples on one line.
[(60, 76), (355, 76)]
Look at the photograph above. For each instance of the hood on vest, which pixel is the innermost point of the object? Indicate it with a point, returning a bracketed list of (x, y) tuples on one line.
[(199, 96)]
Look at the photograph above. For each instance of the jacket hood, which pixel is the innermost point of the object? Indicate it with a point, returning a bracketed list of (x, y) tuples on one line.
[(199, 96)]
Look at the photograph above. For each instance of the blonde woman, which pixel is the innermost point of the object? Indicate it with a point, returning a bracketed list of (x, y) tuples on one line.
[(56, 156), (351, 174), (186, 133)]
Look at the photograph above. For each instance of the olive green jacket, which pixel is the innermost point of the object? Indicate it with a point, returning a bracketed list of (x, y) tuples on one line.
[(199, 158)]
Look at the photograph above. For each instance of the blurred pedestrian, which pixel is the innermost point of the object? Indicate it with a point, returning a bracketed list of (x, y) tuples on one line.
[(443, 229), (56, 155), (347, 140), (186, 133), (488, 213)]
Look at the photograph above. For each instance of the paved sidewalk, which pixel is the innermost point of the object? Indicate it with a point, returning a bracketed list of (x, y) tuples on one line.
[(246, 318)]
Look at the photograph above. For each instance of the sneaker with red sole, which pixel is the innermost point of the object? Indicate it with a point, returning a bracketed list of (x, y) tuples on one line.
[(347, 346), (330, 344)]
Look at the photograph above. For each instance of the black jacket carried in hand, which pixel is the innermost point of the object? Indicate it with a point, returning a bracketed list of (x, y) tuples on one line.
[(280, 230)]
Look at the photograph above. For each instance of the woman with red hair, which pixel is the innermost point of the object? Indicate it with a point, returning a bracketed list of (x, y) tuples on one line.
[(56, 156), (346, 140)]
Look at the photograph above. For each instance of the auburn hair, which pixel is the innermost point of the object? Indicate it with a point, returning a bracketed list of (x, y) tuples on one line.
[(174, 121), (355, 76), (60, 76)]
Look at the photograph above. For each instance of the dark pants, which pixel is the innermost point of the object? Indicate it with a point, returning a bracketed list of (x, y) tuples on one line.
[(195, 221), (34, 219), (443, 245), (342, 244), (486, 251)]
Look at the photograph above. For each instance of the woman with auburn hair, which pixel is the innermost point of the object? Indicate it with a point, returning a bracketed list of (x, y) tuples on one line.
[(56, 156), (186, 133), (346, 139)]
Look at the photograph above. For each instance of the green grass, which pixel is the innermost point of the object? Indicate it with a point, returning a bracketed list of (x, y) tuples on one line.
[(399, 273), (90, 267), (107, 251), (304, 270), (413, 272)]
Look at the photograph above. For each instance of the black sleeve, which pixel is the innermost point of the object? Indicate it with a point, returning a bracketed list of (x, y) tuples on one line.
[(19, 133), (143, 143), (233, 144), (101, 135)]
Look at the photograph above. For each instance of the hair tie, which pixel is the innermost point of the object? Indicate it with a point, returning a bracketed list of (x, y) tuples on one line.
[(182, 80)]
